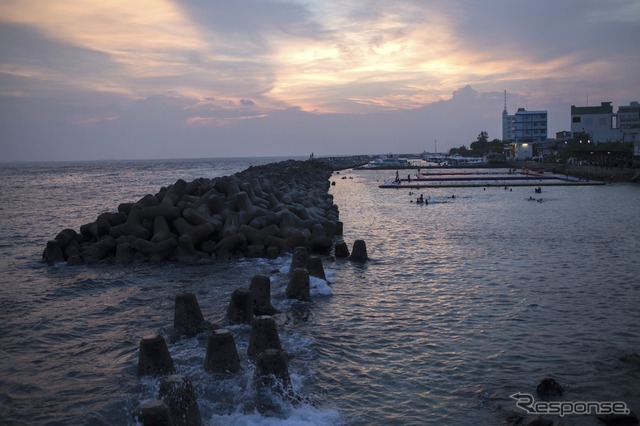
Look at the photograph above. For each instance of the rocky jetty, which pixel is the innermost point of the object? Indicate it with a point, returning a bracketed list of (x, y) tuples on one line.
[(262, 211)]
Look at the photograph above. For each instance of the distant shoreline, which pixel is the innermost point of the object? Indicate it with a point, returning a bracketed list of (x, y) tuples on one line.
[(607, 174)]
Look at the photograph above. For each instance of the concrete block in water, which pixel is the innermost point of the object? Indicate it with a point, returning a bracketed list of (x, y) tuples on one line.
[(299, 286), (316, 269), (341, 250), (100, 228), (168, 212), (263, 336), (187, 319), (359, 251), (186, 252), (153, 413), (176, 391), (68, 237), (255, 250), (293, 238), (146, 201), (200, 233), (161, 230), (229, 244), (260, 288), (330, 228), (53, 253), (549, 387), (300, 259), (240, 309), (181, 226), (320, 244), (272, 370), (124, 253), (175, 193), (156, 252), (154, 357), (272, 252), (258, 236), (203, 216), (113, 219), (74, 259), (133, 225), (98, 251), (222, 354)]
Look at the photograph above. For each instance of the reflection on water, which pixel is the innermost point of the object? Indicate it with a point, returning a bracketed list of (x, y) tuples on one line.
[(464, 302)]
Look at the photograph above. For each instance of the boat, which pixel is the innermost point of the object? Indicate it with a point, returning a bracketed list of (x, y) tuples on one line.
[(452, 160), (388, 161)]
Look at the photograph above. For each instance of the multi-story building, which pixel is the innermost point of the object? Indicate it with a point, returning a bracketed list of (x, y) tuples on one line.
[(530, 126), (596, 121), (629, 116)]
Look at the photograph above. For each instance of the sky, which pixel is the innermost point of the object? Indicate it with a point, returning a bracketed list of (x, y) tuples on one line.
[(151, 79)]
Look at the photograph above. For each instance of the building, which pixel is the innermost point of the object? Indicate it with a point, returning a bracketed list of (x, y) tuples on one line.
[(523, 126), (599, 122), (530, 126), (628, 116), (520, 151), (508, 122)]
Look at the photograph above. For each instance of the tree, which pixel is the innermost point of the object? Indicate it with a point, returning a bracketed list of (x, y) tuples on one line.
[(480, 145), (483, 137)]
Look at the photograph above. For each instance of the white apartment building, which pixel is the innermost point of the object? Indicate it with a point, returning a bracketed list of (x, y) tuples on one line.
[(596, 121), (602, 125), (529, 126)]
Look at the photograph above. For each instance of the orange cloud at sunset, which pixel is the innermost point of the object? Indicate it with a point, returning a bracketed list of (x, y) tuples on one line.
[(216, 61)]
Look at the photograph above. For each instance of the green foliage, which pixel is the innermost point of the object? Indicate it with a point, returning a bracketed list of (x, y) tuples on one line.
[(480, 147)]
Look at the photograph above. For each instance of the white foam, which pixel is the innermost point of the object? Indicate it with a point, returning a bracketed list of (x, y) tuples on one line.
[(319, 287), (296, 416), (329, 273), (298, 345), (285, 264)]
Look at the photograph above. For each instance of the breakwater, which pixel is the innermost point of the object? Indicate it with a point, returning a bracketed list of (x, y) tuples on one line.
[(259, 212), (605, 174), (262, 211)]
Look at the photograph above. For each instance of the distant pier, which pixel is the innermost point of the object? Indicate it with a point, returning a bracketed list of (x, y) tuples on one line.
[(458, 179)]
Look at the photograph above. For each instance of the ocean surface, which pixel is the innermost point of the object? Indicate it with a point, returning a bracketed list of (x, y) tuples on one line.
[(464, 302)]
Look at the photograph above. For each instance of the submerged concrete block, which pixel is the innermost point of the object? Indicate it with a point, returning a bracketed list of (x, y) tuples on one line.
[(222, 354), (176, 391), (359, 251), (299, 286), (260, 288), (154, 357), (153, 412), (263, 336), (240, 309)]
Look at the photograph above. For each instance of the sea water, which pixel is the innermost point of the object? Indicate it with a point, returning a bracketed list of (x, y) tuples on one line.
[(464, 302)]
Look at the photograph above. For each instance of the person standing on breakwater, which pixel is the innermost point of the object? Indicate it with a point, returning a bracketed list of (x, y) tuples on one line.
[(397, 176)]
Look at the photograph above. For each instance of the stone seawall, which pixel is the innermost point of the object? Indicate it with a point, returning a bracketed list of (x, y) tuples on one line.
[(607, 174), (262, 211)]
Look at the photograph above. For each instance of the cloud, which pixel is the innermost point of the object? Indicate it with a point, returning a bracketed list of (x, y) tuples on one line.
[(33, 63), (121, 79), (169, 125)]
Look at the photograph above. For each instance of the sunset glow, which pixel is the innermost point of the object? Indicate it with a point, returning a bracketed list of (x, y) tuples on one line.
[(318, 57)]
